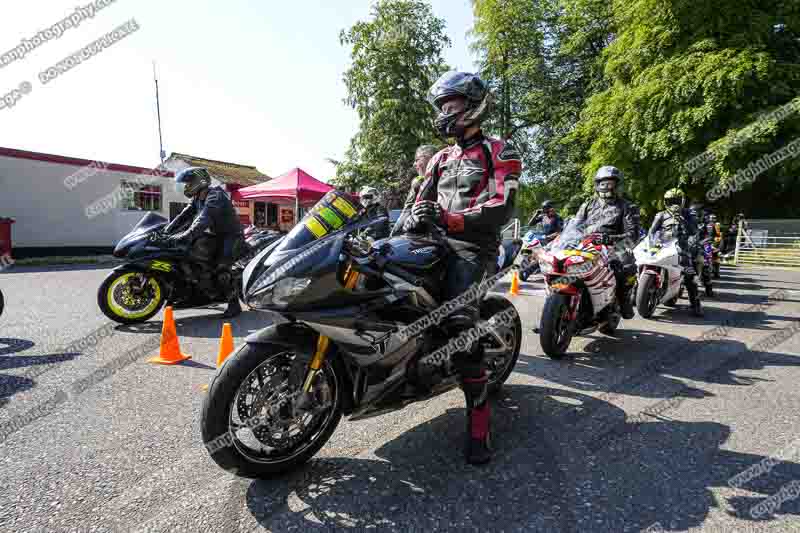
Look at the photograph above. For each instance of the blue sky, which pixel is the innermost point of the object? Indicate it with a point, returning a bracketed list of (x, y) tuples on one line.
[(242, 81)]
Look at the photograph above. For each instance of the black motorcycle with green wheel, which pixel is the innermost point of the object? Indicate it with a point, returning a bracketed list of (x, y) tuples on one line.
[(157, 272)]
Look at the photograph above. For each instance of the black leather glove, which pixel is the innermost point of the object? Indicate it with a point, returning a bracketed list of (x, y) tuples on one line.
[(412, 224), (422, 214), (603, 238), (427, 212)]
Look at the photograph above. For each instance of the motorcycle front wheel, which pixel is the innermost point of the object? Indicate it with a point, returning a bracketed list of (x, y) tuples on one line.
[(2, 303), (555, 333), (646, 296), (501, 347), (256, 422), (130, 297)]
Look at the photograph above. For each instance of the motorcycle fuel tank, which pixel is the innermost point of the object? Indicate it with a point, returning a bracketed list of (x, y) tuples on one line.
[(415, 253)]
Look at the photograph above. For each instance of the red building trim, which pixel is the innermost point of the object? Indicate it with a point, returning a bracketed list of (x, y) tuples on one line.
[(63, 160)]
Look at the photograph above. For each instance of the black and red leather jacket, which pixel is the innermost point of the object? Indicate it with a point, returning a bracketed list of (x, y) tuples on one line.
[(476, 186)]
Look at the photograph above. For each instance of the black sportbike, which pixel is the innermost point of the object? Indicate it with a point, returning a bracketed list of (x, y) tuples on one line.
[(336, 345), (158, 272)]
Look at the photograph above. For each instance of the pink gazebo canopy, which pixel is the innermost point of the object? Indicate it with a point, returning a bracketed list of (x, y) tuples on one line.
[(296, 185)]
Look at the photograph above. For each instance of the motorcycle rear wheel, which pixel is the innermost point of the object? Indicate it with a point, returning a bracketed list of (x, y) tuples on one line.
[(555, 333), (270, 416), (646, 296), (2, 303), (117, 300)]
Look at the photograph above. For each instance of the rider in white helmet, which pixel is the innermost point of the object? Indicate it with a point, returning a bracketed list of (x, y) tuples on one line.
[(371, 199)]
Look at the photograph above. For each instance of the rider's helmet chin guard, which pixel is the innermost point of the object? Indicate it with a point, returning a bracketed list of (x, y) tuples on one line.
[(369, 196), (192, 181), (673, 201), (608, 183), (465, 85)]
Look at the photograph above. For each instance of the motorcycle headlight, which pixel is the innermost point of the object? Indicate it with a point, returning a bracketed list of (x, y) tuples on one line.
[(279, 293)]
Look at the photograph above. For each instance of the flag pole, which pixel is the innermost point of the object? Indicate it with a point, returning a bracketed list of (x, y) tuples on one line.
[(158, 110)]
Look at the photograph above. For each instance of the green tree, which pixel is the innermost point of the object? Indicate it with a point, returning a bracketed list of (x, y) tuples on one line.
[(395, 58), (686, 76), (542, 57)]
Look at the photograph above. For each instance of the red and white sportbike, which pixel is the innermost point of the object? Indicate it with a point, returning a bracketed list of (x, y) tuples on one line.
[(581, 289)]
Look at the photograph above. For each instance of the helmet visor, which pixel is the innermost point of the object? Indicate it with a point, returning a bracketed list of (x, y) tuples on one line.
[(606, 185), (673, 200)]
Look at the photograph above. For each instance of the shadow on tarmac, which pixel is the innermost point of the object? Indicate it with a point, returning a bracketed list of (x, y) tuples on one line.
[(659, 471)]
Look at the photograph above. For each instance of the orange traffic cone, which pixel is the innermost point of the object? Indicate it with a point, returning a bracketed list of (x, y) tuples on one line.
[(514, 290), (170, 352), (225, 344)]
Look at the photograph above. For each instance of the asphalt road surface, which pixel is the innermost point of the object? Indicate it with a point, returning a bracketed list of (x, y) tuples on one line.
[(652, 430)]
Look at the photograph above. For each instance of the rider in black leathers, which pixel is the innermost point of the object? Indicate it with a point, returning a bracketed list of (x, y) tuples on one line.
[(215, 232), (617, 220), (370, 198), (469, 190), (552, 224), (680, 224)]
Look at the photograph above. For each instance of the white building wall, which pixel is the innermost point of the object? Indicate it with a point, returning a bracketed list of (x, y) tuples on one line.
[(48, 214)]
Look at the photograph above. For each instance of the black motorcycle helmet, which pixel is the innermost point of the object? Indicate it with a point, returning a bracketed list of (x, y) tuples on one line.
[(465, 85), (192, 181)]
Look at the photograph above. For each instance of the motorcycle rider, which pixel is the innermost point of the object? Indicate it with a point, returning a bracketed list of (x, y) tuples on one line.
[(215, 232), (714, 226), (617, 220), (371, 200), (422, 157), (469, 191), (678, 223), (732, 232), (552, 224)]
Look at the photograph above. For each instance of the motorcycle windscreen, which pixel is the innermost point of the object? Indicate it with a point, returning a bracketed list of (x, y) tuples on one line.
[(570, 236), (149, 221), (333, 212)]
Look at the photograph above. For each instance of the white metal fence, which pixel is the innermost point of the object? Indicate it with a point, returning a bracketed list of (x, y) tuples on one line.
[(768, 243), (513, 230)]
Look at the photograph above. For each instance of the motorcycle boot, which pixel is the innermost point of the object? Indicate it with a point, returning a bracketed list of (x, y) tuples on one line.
[(226, 287), (629, 282), (694, 294), (232, 249), (624, 298), (474, 382)]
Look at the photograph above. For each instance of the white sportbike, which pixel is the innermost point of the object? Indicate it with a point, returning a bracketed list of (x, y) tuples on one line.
[(660, 277)]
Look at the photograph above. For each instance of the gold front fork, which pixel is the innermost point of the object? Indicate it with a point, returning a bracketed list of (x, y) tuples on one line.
[(324, 342)]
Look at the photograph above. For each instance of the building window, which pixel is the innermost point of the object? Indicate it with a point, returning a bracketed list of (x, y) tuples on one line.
[(142, 197)]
